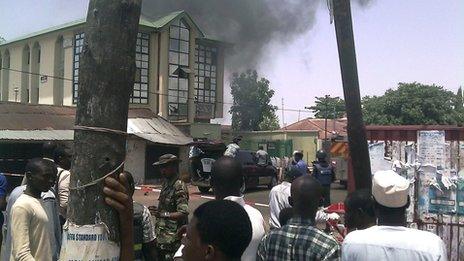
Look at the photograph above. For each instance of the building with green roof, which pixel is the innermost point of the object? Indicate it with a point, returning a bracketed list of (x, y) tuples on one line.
[(180, 71)]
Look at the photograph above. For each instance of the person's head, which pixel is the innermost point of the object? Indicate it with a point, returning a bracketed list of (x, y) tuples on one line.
[(62, 157), (359, 210), (261, 147), (292, 174), (130, 182), (40, 174), (321, 155), (226, 177), (219, 230), (391, 194), (237, 139), (168, 165), (48, 149), (298, 155), (285, 215), (306, 194)]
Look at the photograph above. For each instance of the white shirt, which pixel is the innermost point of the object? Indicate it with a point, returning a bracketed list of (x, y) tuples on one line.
[(262, 157), (257, 224), (278, 200), (231, 150), (393, 243), (63, 190)]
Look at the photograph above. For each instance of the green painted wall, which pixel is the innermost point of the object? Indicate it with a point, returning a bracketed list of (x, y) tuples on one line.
[(280, 143)]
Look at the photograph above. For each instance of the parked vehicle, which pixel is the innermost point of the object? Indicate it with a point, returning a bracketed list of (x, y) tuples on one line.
[(255, 175), (200, 167)]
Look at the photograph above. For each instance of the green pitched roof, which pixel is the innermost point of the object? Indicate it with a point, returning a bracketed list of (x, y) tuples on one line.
[(156, 24), (48, 30)]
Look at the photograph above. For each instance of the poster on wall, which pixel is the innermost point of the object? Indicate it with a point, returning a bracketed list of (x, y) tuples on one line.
[(377, 157), (431, 148), (442, 200), (460, 197)]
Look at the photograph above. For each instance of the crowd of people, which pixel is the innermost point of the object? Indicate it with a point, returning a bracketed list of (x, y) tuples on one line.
[(226, 228)]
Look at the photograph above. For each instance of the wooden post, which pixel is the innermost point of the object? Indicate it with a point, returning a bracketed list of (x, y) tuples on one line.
[(106, 79), (356, 130)]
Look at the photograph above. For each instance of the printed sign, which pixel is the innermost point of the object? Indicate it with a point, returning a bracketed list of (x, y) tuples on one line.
[(89, 243), (431, 147), (460, 197)]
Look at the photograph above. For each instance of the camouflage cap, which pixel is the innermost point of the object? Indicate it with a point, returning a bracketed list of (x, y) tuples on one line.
[(166, 159)]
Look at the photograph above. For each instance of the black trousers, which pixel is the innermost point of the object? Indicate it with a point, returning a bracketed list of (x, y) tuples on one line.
[(326, 195)]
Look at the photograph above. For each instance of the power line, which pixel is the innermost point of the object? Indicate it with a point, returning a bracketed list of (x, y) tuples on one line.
[(161, 94)]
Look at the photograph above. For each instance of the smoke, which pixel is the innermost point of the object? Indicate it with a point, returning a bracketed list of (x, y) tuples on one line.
[(248, 24)]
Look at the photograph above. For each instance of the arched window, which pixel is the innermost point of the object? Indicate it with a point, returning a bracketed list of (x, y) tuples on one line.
[(5, 75), (25, 76), (35, 69), (58, 82)]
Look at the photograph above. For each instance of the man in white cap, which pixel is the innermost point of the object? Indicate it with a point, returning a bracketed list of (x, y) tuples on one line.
[(390, 239)]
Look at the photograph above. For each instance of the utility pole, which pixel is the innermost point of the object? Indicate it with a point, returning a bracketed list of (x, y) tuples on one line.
[(107, 73), (326, 112), (283, 114), (356, 130)]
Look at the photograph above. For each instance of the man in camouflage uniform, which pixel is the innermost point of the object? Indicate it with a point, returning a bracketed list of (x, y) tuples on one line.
[(172, 212)]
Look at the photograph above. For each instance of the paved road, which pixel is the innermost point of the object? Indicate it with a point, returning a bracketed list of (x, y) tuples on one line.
[(259, 198)]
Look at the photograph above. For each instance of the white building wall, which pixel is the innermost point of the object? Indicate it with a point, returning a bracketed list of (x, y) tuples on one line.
[(135, 159)]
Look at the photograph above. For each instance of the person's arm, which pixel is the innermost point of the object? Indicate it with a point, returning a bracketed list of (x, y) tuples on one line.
[(181, 197), (261, 253), (117, 196), (20, 223), (3, 187), (63, 190), (315, 171), (274, 210), (149, 237)]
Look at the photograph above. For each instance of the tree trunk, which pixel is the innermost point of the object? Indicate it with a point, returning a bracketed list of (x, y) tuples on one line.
[(356, 130), (107, 70)]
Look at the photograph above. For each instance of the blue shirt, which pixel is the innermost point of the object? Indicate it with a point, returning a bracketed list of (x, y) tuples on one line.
[(302, 167), (3, 185)]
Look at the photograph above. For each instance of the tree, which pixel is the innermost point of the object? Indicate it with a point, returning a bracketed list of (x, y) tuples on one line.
[(329, 107), (106, 80), (269, 122), (459, 101), (251, 110), (411, 104), (2, 40)]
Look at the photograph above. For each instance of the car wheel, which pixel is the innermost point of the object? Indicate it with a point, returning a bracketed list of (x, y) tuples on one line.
[(203, 189), (273, 182)]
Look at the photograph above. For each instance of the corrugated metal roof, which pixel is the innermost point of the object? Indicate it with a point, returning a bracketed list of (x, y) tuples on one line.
[(45, 122), (157, 130), (36, 135)]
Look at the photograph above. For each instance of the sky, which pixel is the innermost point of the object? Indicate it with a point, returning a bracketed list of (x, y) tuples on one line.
[(396, 41)]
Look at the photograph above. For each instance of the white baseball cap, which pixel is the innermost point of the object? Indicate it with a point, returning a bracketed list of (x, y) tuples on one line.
[(390, 189)]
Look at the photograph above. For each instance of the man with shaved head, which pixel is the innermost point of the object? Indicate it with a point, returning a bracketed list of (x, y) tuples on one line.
[(299, 239)]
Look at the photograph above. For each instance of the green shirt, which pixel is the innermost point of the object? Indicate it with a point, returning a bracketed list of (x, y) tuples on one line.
[(173, 197)]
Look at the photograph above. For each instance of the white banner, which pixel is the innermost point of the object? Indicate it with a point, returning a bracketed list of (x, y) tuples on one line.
[(89, 243)]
